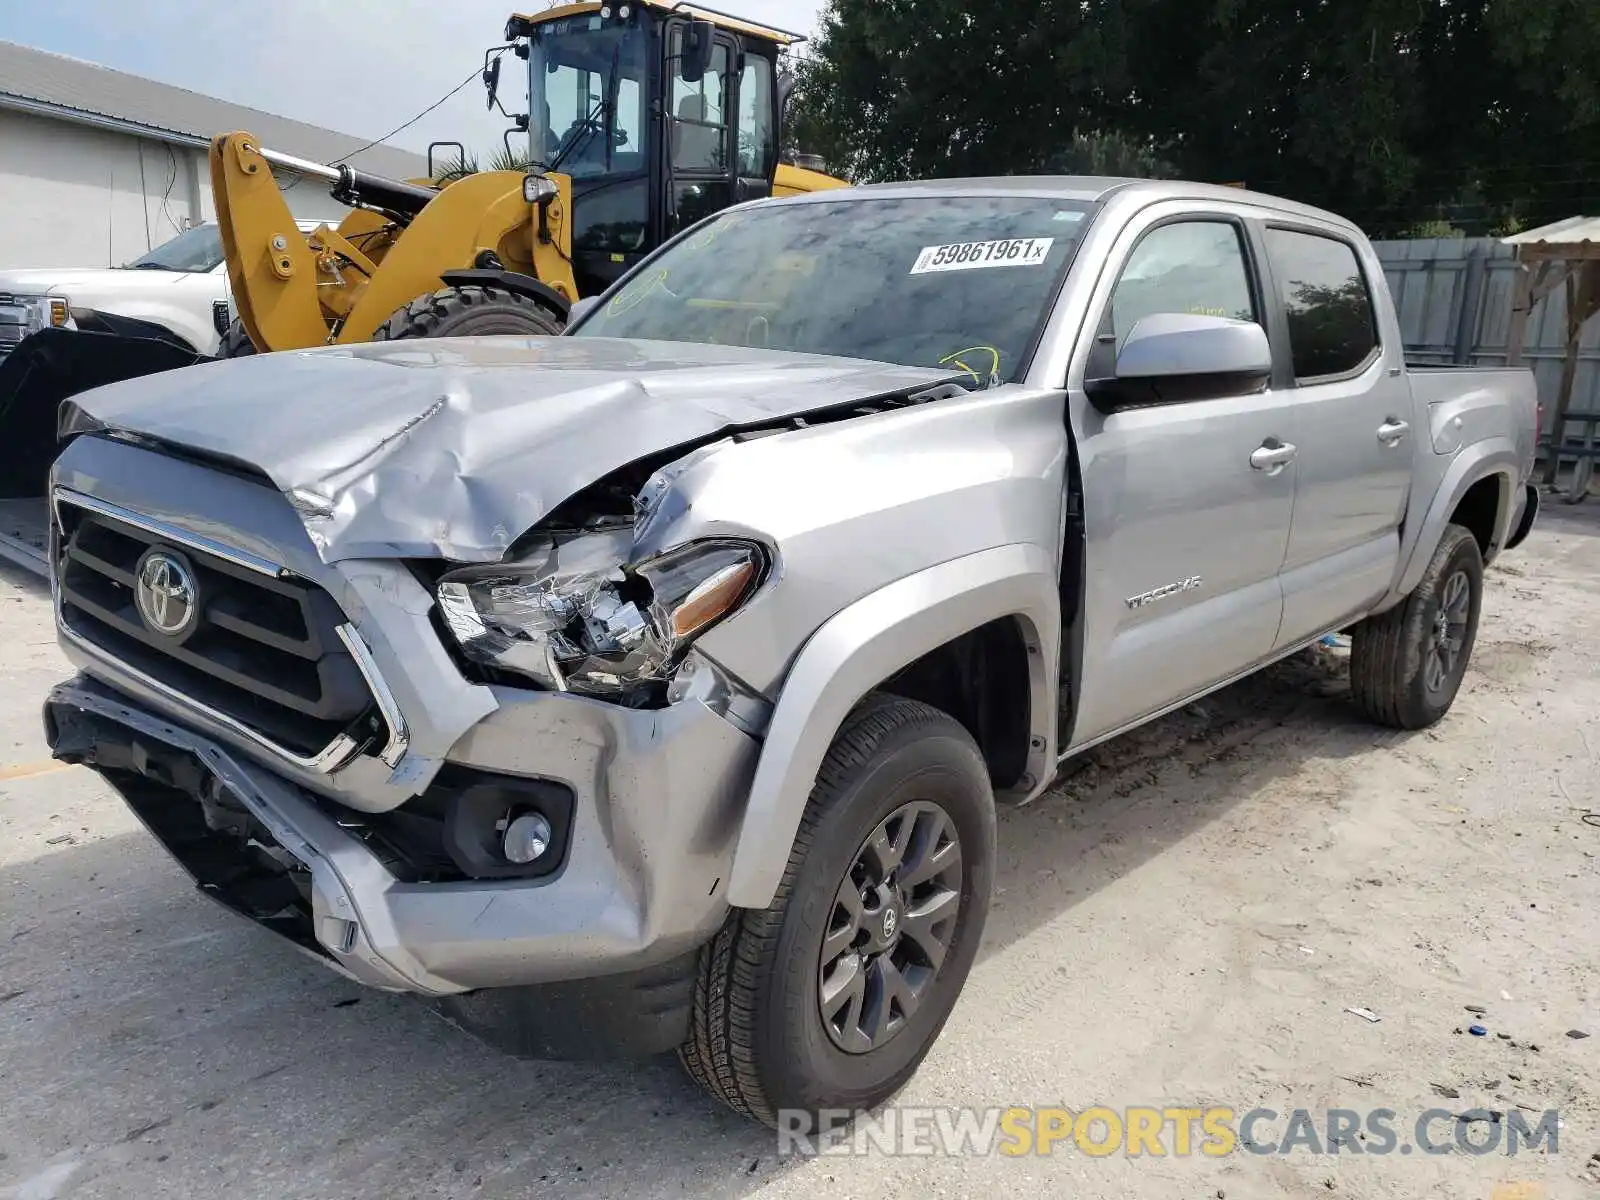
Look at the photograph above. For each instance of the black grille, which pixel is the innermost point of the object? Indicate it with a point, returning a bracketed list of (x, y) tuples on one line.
[(265, 651), (221, 317)]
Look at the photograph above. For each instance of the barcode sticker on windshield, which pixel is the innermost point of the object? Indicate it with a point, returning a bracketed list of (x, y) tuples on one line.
[(974, 256)]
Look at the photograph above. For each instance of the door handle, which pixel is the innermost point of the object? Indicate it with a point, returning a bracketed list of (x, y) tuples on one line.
[(1272, 456), (1392, 430)]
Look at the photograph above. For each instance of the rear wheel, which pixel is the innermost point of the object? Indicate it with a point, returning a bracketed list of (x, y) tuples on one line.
[(236, 342), (831, 997), (469, 311), (1406, 664)]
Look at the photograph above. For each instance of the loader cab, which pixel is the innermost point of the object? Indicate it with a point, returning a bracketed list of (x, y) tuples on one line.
[(660, 115)]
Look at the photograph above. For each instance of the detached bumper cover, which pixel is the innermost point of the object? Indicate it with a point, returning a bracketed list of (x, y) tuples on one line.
[(658, 800), (1523, 524)]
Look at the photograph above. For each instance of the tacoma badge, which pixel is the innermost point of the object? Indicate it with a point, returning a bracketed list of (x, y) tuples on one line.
[(1161, 593)]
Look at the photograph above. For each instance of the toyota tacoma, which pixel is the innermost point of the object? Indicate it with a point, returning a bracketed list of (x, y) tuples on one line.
[(652, 687)]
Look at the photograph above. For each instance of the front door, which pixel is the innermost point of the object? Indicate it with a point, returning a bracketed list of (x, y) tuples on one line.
[(1186, 523), (1354, 428)]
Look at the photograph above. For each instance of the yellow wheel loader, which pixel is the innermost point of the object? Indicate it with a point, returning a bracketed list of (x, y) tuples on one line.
[(643, 117)]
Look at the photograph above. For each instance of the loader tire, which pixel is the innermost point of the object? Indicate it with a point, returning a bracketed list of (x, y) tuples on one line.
[(236, 342), (469, 311)]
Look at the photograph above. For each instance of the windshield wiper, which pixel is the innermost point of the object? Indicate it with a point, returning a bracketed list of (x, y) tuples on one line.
[(602, 105), (144, 266)]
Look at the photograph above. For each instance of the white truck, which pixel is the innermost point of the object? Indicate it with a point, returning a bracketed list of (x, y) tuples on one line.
[(181, 286), (177, 293)]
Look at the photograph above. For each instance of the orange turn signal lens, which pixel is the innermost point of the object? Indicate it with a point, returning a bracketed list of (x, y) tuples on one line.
[(712, 599)]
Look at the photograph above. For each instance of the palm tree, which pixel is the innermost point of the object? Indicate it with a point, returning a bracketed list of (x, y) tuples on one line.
[(504, 159)]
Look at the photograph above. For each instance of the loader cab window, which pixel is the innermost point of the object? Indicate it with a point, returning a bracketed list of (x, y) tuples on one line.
[(758, 143), (699, 112), (589, 92), (586, 91)]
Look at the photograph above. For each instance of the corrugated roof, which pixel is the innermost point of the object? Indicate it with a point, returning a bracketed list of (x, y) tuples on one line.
[(1572, 231), (38, 80)]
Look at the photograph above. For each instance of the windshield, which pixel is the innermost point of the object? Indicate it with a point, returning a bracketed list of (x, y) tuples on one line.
[(586, 96), (956, 282), (197, 249)]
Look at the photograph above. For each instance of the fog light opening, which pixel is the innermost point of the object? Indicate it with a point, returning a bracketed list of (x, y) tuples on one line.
[(527, 838)]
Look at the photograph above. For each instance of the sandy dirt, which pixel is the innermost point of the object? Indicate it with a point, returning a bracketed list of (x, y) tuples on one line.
[(1181, 923)]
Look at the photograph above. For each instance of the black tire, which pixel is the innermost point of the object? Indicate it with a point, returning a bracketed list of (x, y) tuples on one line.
[(1397, 675), (236, 342), (470, 311), (758, 1040)]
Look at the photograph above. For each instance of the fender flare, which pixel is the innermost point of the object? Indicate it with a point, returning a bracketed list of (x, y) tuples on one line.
[(1494, 456), (513, 281), (860, 647)]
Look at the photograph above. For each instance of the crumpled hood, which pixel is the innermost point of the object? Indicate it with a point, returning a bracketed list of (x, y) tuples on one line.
[(454, 447)]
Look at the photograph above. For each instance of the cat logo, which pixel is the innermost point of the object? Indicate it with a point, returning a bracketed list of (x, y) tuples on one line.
[(1161, 593)]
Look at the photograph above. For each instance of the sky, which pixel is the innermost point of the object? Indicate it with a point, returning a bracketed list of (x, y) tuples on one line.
[(358, 66)]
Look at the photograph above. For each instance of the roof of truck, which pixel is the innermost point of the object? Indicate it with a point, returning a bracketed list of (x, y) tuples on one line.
[(1088, 189)]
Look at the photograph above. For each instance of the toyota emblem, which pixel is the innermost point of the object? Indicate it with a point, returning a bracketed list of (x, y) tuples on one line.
[(165, 594)]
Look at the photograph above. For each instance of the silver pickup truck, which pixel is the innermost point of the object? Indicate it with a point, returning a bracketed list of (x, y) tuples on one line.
[(653, 687)]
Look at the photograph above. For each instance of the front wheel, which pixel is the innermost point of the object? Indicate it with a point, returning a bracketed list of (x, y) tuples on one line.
[(831, 997), (469, 311), (1406, 664)]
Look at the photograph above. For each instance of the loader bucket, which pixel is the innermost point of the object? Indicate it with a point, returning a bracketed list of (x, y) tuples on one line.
[(56, 364)]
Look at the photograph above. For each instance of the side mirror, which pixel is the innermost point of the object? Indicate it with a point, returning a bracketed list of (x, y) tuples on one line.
[(786, 85), (1172, 357), (581, 309), (698, 38), (491, 81)]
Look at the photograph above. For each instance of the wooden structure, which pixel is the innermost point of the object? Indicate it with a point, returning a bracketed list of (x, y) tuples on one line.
[(1565, 255)]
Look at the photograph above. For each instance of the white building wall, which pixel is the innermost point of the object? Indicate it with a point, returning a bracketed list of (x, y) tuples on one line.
[(72, 195)]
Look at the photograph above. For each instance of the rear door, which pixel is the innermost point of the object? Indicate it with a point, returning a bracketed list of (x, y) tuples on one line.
[(1184, 537), (1352, 423)]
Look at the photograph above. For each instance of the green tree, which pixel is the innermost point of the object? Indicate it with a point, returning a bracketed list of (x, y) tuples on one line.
[(1484, 114)]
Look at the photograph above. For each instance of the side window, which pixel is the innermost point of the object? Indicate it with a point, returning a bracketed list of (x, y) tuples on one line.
[(1185, 267), (699, 112), (1332, 327), (756, 143)]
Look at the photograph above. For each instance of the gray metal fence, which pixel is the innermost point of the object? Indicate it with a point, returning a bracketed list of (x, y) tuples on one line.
[(1454, 300)]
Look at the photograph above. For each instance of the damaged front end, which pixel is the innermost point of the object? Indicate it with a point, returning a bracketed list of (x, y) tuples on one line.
[(588, 603), (573, 612)]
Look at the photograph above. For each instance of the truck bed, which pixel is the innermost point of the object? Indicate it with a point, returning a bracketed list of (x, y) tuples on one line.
[(24, 533)]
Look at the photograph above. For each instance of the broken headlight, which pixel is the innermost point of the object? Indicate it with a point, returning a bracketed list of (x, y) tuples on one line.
[(569, 617)]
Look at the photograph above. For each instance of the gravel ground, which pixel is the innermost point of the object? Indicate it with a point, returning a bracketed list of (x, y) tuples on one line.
[(1182, 923)]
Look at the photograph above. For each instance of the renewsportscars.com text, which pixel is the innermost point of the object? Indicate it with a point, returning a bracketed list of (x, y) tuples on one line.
[(1160, 1132)]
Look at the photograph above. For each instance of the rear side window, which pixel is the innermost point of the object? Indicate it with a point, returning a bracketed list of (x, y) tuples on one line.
[(1332, 328)]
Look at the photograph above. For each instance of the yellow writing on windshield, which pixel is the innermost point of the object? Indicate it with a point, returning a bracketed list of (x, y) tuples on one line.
[(958, 361)]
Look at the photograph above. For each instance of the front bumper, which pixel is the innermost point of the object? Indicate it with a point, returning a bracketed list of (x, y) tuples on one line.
[(657, 800)]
